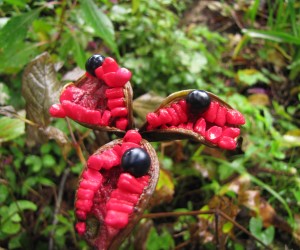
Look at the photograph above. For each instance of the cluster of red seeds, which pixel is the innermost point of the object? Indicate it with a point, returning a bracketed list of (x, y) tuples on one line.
[(217, 124), (85, 103), (120, 202)]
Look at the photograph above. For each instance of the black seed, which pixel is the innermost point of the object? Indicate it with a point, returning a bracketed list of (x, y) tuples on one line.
[(93, 63), (136, 161), (198, 100)]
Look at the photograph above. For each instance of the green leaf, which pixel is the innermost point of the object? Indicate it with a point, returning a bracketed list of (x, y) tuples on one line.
[(3, 193), (275, 36), (10, 128), (35, 162), (48, 161), (255, 226), (10, 227), (164, 241), (22, 205), (251, 76), (16, 29), (100, 23)]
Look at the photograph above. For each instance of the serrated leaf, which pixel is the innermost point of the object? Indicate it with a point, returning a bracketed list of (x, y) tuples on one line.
[(10, 128), (99, 22), (40, 89)]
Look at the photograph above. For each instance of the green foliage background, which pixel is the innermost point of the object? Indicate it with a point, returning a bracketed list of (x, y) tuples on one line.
[(255, 68)]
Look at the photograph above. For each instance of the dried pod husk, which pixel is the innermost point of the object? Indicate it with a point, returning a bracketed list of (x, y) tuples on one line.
[(101, 102), (215, 125), (118, 196)]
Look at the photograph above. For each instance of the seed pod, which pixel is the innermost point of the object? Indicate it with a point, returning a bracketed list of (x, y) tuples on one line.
[(109, 201), (101, 99), (196, 115)]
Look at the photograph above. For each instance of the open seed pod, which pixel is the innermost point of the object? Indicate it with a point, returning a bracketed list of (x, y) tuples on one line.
[(196, 115), (101, 99), (114, 190)]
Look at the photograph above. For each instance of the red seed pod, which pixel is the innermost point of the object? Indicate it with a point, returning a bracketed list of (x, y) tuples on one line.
[(207, 126), (89, 99), (105, 216)]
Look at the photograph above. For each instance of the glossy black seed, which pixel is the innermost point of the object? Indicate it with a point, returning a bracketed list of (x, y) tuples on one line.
[(93, 63), (136, 161), (198, 100)]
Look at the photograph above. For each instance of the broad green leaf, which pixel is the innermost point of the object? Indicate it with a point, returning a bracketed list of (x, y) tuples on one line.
[(99, 22), (255, 226), (40, 89), (10, 227), (48, 160), (10, 128), (16, 29)]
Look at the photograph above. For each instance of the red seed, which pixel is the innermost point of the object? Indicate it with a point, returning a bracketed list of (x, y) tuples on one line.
[(72, 94), (124, 195), (110, 159), (81, 114), (116, 205), (129, 184), (113, 93), (181, 114), (99, 72), (105, 118), (164, 116), (90, 185), (234, 117), (128, 145), (132, 136), (200, 126), (85, 194), (122, 123), (153, 120), (80, 228), (211, 114), (56, 110), (118, 78), (231, 132), (109, 65), (227, 143), (84, 205), (114, 103), (221, 116), (120, 111), (117, 148), (213, 134), (116, 219), (92, 175), (175, 118), (80, 214), (183, 105)]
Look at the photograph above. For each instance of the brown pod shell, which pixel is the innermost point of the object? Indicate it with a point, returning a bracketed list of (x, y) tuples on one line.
[(97, 233), (166, 134), (128, 95)]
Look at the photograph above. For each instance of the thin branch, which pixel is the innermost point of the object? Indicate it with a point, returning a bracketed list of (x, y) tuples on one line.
[(57, 206), (75, 144)]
